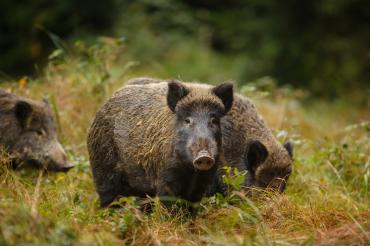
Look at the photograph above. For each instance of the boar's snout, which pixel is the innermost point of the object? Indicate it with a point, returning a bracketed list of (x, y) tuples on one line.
[(203, 151), (58, 160), (277, 184), (66, 167), (203, 161)]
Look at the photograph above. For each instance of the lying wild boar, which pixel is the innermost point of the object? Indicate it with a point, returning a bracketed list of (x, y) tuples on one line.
[(159, 139), (248, 144), (28, 134)]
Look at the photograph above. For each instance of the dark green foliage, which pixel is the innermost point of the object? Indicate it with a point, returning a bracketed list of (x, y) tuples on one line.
[(24, 26), (322, 45)]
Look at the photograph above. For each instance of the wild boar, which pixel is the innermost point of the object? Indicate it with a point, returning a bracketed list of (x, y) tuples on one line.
[(159, 140), (248, 144), (28, 134)]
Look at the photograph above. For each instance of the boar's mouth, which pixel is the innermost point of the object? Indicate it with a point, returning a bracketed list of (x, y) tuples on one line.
[(65, 168), (34, 163), (38, 165)]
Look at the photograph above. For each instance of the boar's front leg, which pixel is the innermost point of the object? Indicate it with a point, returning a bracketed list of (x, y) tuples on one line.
[(109, 188), (196, 188), (111, 183), (170, 185)]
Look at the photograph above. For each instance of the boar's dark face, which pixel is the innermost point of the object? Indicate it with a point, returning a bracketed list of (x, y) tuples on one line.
[(272, 175), (198, 131), (37, 144)]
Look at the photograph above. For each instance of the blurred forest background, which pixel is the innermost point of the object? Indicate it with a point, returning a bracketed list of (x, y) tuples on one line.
[(304, 63), (320, 46)]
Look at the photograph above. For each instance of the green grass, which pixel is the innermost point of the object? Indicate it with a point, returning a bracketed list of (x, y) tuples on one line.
[(326, 201)]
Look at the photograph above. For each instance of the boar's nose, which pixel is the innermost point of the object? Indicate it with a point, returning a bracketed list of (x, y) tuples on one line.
[(204, 161), (277, 184), (66, 167), (58, 159)]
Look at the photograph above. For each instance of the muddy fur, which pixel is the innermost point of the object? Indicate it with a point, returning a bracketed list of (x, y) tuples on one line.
[(241, 127), (132, 144), (28, 133)]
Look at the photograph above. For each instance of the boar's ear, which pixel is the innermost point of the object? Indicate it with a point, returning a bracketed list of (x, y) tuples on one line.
[(226, 94), (46, 101), (22, 111), (256, 153), (176, 91), (289, 147)]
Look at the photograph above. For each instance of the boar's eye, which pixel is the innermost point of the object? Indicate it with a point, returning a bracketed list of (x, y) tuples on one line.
[(215, 121), (40, 132), (188, 120)]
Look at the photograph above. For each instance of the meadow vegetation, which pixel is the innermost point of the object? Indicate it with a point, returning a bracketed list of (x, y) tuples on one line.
[(326, 201)]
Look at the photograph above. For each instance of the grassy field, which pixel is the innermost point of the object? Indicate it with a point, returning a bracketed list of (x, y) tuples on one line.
[(326, 201)]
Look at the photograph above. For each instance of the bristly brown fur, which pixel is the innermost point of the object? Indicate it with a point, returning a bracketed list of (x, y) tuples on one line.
[(200, 97), (8, 122), (242, 124), (154, 142), (28, 133), (131, 138)]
